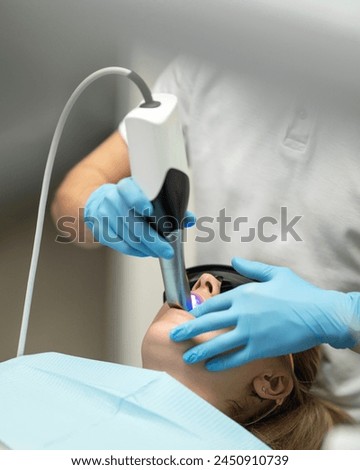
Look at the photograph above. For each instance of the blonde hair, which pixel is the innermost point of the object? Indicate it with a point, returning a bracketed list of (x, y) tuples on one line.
[(303, 420)]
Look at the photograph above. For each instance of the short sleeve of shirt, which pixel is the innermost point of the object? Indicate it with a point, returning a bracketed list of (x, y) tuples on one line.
[(178, 79)]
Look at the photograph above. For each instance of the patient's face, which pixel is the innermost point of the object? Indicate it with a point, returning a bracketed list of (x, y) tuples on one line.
[(159, 352)]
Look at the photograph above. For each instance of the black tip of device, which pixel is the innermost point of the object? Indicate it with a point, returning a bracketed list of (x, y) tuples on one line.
[(151, 104)]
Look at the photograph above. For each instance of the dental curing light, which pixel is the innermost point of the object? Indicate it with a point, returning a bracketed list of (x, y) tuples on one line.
[(159, 166), (168, 113)]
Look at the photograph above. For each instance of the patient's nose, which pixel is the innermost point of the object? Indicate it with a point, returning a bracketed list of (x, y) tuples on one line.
[(208, 284)]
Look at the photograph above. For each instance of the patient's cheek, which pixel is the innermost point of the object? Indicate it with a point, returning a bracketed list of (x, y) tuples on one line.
[(158, 351), (157, 340), (172, 317), (208, 336), (158, 333)]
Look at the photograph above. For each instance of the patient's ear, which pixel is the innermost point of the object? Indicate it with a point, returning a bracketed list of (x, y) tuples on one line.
[(274, 385)]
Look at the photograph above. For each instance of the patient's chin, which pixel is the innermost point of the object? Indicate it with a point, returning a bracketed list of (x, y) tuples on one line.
[(172, 316), (158, 351), (156, 345)]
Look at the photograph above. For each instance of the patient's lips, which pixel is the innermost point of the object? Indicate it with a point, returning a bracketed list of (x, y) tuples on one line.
[(207, 286), (196, 299)]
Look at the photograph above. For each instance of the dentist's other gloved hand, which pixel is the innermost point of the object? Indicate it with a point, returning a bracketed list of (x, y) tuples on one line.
[(115, 213), (278, 315)]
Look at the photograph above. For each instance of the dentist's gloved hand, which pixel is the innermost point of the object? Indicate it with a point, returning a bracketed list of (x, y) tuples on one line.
[(115, 213), (279, 315)]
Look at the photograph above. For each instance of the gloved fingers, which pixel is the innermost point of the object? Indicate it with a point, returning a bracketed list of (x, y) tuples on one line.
[(228, 361), (214, 304), (218, 345), (112, 240), (134, 197), (124, 233), (253, 269), (142, 237), (211, 322), (115, 225), (126, 249), (156, 243), (96, 198), (189, 219)]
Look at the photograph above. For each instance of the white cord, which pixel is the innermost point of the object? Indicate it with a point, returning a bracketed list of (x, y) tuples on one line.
[(46, 183)]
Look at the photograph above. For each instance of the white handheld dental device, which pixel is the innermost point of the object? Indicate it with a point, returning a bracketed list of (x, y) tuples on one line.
[(159, 165)]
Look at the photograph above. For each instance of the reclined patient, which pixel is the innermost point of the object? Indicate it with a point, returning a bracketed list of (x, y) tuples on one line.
[(271, 397)]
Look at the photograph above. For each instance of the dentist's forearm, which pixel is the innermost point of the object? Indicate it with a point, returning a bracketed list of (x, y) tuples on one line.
[(108, 163)]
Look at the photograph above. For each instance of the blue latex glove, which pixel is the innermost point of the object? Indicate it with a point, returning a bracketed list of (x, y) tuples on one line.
[(115, 213), (281, 314)]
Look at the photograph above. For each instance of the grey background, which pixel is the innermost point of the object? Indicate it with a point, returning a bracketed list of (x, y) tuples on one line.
[(46, 49)]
